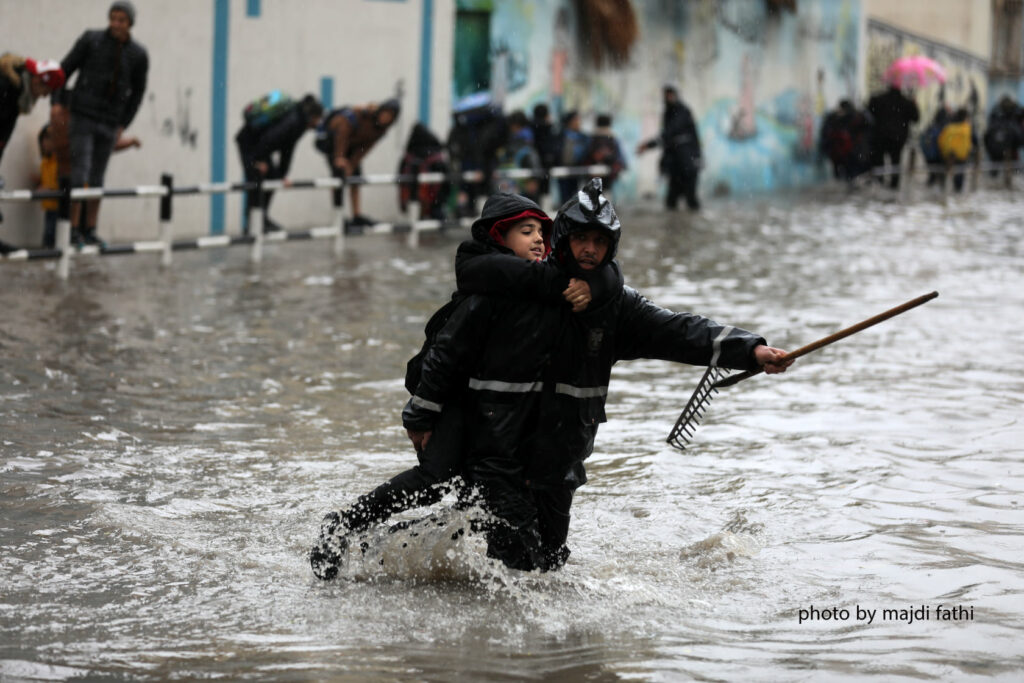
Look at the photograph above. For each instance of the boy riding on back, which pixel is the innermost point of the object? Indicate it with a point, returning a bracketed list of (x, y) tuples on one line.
[(510, 226)]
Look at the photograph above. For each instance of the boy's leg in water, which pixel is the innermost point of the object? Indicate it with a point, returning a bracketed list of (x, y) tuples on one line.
[(439, 461)]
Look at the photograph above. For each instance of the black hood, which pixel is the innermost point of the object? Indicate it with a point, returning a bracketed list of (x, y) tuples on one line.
[(499, 207), (588, 209), (422, 142)]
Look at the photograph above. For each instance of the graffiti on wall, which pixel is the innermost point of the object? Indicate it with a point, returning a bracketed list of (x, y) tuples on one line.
[(178, 125), (781, 73), (758, 83)]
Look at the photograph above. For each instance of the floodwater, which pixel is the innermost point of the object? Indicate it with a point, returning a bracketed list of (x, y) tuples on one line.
[(171, 438)]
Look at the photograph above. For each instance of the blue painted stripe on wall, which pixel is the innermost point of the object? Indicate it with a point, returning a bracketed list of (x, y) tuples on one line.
[(327, 92), (218, 111), (252, 8), (426, 50)]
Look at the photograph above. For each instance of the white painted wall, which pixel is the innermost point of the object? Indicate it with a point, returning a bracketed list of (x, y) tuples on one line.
[(963, 24), (367, 46)]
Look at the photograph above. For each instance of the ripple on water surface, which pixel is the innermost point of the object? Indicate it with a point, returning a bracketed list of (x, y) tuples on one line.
[(172, 438)]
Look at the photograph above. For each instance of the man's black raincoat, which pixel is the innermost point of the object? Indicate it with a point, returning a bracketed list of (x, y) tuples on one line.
[(533, 380)]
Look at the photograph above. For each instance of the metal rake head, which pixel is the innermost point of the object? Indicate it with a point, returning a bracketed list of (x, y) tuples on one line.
[(695, 408)]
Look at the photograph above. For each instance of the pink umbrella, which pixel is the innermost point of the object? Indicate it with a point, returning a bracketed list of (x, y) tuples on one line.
[(916, 72)]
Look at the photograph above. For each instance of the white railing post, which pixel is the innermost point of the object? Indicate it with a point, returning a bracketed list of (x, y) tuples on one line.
[(64, 230), (64, 244), (412, 214), (338, 202)]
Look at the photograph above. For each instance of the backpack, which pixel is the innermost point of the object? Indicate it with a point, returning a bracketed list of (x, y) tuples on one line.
[(930, 144), (431, 196), (265, 110), (414, 368), (955, 141), (323, 140)]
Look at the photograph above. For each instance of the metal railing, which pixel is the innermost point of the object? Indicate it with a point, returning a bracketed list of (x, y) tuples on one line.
[(166, 245)]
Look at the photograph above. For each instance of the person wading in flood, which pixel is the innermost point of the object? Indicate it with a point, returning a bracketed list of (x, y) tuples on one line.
[(516, 230), (538, 379)]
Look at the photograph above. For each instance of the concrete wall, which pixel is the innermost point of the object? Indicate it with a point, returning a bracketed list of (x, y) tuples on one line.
[(364, 50), (961, 24), (955, 33), (966, 74)]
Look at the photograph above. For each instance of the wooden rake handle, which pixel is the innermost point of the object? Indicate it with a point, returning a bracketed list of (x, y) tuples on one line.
[(825, 341)]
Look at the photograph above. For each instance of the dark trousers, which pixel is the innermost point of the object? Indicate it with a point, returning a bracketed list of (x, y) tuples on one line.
[(888, 150), (682, 185), (49, 228), (533, 542), (567, 188), (251, 176), (439, 462)]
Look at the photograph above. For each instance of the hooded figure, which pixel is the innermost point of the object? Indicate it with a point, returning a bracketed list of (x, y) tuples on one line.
[(424, 153), (892, 113), (487, 266), (1004, 133), (681, 155), (589, 209)]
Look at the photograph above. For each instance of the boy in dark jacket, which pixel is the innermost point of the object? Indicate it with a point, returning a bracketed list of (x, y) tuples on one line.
[(604, 149), (516, 230), (111, 81)]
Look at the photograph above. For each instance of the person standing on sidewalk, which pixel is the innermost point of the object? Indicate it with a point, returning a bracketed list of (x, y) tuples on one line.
[(112, 70)]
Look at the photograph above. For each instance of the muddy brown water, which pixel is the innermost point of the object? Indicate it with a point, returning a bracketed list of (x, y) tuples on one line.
[(170, 439)]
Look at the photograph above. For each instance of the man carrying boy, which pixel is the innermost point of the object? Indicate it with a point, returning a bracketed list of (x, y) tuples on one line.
[(516, 230), (533, 380)]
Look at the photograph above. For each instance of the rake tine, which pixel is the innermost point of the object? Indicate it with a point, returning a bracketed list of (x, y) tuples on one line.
[(696, 407)]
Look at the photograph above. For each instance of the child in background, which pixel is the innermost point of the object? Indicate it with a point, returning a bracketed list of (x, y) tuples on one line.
[(48, 181), (956, 143), (604, 149)]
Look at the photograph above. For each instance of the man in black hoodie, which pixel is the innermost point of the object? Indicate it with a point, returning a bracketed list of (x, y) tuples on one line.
[(532, 380), (111, 81), (681, 156), (893, 113)]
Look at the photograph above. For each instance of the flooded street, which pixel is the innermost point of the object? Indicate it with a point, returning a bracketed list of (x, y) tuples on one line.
[(171, 439)]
